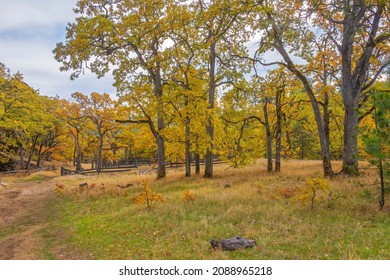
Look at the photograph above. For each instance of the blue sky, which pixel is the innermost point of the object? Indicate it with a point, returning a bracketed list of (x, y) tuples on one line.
[(29, 31)]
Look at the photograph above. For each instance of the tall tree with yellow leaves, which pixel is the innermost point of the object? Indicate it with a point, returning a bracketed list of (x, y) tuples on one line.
[(100, 109), (127, 36), (354, 34), (222, 27)]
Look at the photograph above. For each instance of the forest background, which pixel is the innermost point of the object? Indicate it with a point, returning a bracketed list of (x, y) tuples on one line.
[(191, 88)]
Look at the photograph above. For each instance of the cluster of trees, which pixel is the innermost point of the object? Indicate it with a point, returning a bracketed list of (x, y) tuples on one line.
[(35, 128), (28, 126), (190, 82), (172, 55)]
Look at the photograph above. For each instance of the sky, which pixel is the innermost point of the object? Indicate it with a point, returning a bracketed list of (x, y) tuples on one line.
[(29, 31)]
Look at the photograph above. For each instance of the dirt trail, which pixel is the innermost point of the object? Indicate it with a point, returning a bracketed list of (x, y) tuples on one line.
[(22, 215)]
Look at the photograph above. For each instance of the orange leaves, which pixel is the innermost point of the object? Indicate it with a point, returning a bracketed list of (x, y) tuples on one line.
[(285, 193), (189, 196), (147, 196), (314, 189), (260, 188), (59, 189)]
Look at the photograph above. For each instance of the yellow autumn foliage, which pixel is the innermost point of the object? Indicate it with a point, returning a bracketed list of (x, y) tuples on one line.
[(313, 190), (59, 189), (189, 196), (147, 196)]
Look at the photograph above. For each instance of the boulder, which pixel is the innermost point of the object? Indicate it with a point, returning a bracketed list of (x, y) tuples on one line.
[(232, 244)]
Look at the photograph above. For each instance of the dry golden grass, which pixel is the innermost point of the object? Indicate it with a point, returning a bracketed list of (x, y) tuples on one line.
[(105, 223), (251, 180)]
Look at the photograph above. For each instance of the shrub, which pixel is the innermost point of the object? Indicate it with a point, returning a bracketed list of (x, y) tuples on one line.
[(260, 188), (285, 193), (314, 189), (188, 196), (59, 189), (147, 196)]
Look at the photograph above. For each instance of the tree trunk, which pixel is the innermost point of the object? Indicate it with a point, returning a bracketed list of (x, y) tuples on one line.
[(326, 118), (161, 170), (39, 159), (350, 101), (158, 93), (208, 173), (210, 121), (350, 156), (22, 152), (354, 72), (126, 155), (269, 151), (288, 142), (188, 146), (197, 164), (78, 162), (324, 144), (49, 153), (278, 131), (79, 156), (34, 142), (269, 137), (278, 151), (49, 156), (325, 153), (382, 187), (74, 152), (99, 155)]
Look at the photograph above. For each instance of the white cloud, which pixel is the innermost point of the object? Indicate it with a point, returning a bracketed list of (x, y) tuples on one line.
[(29, 31), (17, 14), (34, 59)]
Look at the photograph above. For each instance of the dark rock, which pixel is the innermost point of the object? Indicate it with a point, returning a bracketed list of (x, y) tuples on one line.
[(83, 185), (232, 244), (125, 186)]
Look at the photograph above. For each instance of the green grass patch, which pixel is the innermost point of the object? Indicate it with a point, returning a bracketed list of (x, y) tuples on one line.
[(7, 231), (113, 227), (35, 178)]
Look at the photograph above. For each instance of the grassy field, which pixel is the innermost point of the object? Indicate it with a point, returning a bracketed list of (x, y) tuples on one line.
[(104, 222)]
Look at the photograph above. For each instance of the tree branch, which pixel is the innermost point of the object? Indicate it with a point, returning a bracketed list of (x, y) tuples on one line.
[(365, 114), (377, 74), (132, 121)]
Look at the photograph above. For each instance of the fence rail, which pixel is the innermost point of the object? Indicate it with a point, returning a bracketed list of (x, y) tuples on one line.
[(128, 168), (26, 171), (65, 171)]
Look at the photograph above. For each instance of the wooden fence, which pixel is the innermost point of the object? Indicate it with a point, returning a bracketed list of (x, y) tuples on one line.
[(26, 171), (128, 168), (65, 171)]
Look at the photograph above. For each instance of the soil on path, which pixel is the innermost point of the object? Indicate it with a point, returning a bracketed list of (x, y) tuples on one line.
[(23, 215)]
